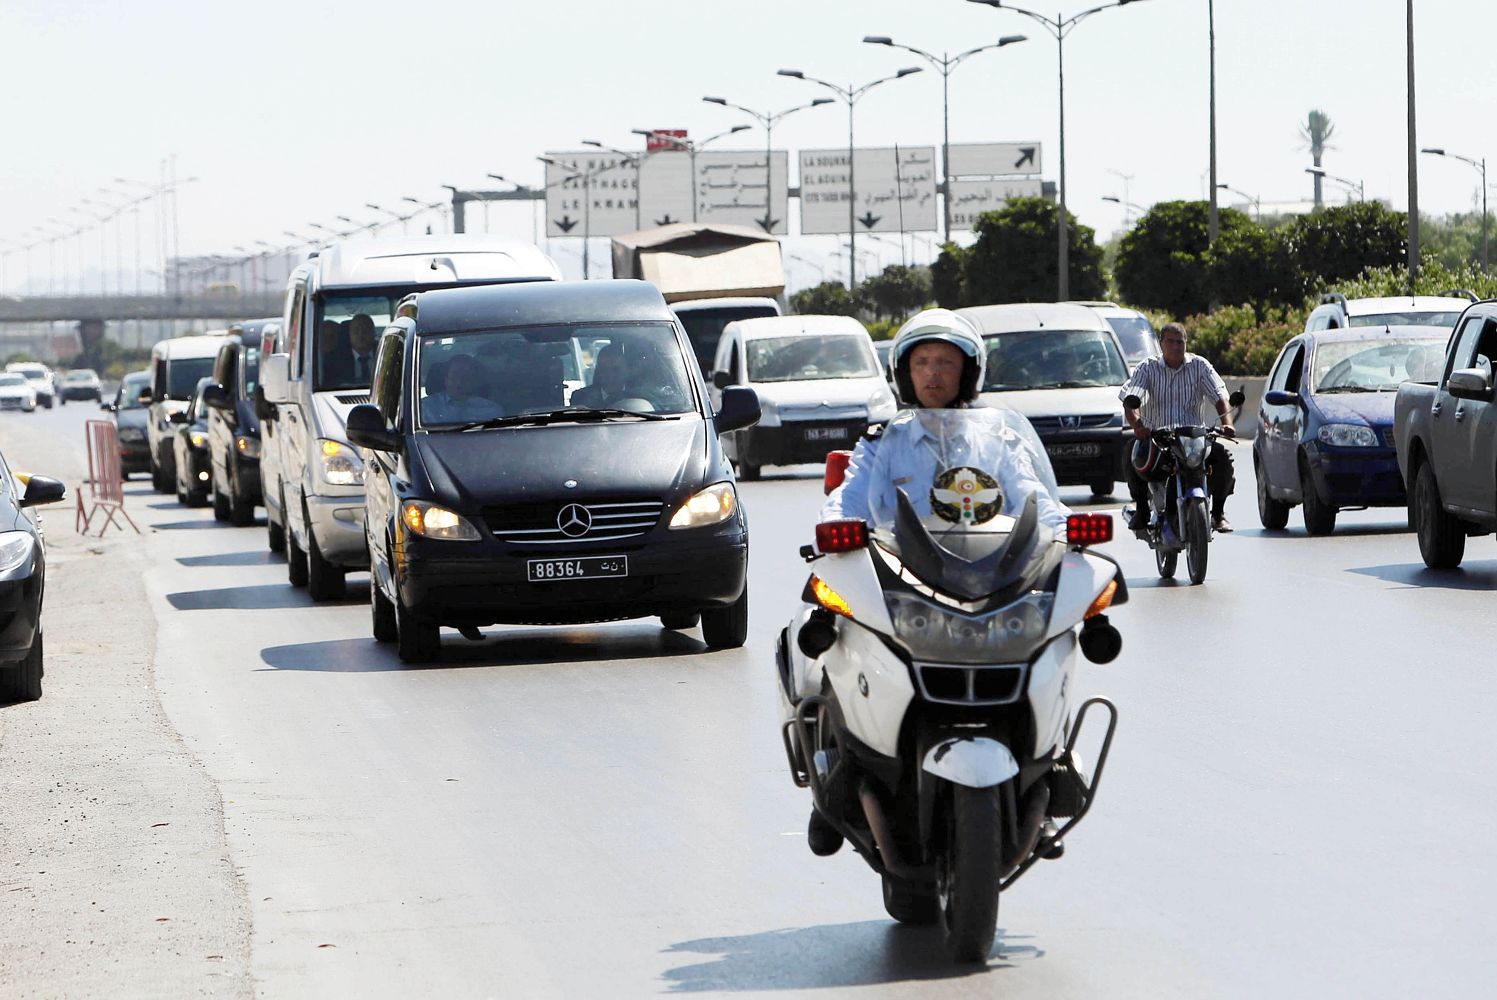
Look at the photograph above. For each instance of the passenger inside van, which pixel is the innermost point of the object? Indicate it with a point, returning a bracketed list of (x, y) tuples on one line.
[(456, 400)]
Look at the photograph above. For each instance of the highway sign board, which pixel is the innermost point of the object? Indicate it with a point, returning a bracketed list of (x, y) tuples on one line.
[(970, 198), (607, 178), (891, 194), (994, 159)]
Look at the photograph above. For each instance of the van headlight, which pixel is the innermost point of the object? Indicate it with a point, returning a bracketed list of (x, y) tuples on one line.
[(15, 551), (198, 439), (341, 465), (248, 446), (714, 505), (1347, 435), (430, 520)]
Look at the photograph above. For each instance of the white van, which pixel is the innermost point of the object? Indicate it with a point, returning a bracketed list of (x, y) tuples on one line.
[(1061, 365), (819, 385), (176, 366), (313, 478)]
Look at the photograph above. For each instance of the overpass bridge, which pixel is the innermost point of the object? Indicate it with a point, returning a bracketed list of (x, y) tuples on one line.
[(96, 309)]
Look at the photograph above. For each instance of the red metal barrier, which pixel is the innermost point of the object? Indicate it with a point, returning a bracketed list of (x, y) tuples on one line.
[(106, 483)]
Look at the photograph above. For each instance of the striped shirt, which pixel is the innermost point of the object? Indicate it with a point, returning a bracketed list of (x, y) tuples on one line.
[(1176, 397)]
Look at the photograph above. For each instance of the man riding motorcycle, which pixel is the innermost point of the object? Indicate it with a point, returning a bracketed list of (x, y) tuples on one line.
[(937, 362), (1173, 388)]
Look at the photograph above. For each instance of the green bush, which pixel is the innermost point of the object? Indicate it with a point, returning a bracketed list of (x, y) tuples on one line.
[(883, 329), (1434, 278)]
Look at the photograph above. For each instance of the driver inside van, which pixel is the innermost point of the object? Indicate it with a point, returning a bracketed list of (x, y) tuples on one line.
[(456, 401)]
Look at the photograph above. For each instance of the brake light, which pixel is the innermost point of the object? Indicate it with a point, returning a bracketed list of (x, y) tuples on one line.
[(1088, 529), (836, 469), (842, 536)]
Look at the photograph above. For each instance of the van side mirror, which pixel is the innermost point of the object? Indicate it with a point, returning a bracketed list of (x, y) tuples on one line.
[(146, 398), (275, 373), (263, 409), (43, 489), (177, 417), (367, 428), (107, 406), (721, 379), (739, 408), (216, 396)]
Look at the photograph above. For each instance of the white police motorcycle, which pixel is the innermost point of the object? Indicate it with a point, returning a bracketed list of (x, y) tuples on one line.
[(927, 687)]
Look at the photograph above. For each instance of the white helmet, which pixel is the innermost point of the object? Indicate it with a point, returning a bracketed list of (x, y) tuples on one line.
[(943, 325)]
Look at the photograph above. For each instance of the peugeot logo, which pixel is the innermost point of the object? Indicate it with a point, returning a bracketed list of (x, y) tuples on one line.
[(574, 520), (1070, 423)]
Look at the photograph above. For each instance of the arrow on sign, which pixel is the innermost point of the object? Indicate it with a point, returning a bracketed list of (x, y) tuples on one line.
[(1026, 155), (768, 223), (566, 223), (869, 220), (666, 221)]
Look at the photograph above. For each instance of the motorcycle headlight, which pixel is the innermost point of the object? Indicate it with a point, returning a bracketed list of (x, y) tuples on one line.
[(15, 550), (933, 632), (1194, 451), (432, 521), (881, 406), (247, 446), (1347, 435), (341, 465), (197, 439), (714, 505)]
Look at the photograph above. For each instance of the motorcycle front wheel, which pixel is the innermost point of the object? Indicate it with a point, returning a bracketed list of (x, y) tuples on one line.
[(1197, 539), (971, 872)]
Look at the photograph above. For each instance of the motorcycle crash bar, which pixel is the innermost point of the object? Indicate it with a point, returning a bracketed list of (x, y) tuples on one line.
[(845, 535), (1088, 529)]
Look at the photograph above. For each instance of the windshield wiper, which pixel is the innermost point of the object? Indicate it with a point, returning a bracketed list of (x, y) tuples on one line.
[(569, 414), (1350, 388)]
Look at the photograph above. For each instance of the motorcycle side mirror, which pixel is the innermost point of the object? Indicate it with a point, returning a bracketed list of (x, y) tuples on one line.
[(1236, 399), (836, 470), (1131, 402)]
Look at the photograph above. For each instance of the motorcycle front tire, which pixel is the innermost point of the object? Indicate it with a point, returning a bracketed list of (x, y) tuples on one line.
[(1197, 539), (973, 868)]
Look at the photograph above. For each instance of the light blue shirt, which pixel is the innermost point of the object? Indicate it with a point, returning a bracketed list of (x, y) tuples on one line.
[(909, 456), (441, 408)]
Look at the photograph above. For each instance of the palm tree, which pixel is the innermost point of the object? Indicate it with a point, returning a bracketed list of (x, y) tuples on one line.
[(1317, 131)]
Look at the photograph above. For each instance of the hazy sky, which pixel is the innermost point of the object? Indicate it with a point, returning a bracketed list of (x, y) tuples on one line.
[(292, 112)]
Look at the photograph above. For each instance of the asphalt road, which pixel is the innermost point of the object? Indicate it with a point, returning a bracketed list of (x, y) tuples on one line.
[(1299, 803)]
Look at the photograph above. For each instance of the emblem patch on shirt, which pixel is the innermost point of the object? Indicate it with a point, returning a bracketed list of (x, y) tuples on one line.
[(965, 495)]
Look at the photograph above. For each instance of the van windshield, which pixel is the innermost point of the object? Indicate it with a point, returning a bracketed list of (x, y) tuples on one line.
[(468, 377), (1136, 335), (788, 359), (704, 327), (1053, 359), (346, 328), (130, 390), (182, 375), (251, 373)]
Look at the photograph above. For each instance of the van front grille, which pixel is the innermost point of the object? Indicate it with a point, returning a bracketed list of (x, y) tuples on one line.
[(557, 523)]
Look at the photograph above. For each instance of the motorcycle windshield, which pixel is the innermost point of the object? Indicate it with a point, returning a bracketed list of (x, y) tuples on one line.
[(969, 523)]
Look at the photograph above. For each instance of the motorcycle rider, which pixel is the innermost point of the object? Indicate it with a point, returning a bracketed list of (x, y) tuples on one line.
[(937, 361), (1173, 388)]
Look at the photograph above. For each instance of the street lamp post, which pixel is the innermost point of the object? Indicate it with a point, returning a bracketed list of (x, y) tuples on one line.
[(1480, 166), (1251, 199), (1349, 185), (769, 120), (944, 64), (1059, 28), (1128, 206), (586, 176), (692, 147), (851, 96)]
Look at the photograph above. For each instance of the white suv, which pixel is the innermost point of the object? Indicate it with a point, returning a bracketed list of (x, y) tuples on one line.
[(1337, 312), (40, 377), (1137, 335)]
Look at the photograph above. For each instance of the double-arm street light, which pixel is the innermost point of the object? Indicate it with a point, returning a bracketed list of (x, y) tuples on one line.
[(851, 96), (1128, 206), (944, 64), (692, 146), (1251, 200), (769, 119), (1059, 27), (1349, 185), (1480, 166), (586, 177)]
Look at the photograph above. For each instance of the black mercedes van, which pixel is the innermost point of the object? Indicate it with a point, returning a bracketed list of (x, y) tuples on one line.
[(546, 454)]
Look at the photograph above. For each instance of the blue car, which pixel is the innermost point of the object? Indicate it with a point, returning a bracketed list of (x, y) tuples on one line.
[(1325, 426)]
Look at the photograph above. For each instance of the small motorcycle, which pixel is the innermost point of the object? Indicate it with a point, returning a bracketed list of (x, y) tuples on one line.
[(928, 688), (1179, 497)]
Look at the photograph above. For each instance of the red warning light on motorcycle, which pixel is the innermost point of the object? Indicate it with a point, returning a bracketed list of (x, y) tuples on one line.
[(1089, 529)]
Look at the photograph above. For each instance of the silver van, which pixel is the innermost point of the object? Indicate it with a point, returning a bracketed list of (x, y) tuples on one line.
[(176, 366), (337, 302)]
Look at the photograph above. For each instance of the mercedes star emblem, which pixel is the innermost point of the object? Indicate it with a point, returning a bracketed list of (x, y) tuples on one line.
[(574, 520), (570, 484)]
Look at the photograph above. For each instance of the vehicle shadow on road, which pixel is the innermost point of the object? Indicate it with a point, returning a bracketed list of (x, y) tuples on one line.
[(516, 646), (1481, 576), (259, 597), (1347, 531), (1157, 583), (258, 557), (206, 522), (831, 956)]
